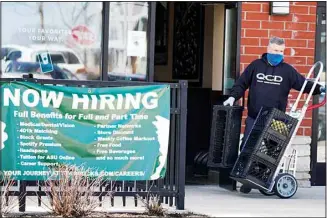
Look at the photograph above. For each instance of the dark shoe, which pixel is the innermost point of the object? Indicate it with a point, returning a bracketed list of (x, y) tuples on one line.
[(245, 190)]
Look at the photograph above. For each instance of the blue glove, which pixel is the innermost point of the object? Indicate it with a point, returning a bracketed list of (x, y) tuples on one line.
[(323, 90)]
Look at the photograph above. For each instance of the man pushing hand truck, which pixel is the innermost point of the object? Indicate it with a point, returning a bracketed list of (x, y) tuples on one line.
[(269, 80)]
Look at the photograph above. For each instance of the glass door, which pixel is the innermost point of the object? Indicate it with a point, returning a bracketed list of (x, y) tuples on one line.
[(318, 148)]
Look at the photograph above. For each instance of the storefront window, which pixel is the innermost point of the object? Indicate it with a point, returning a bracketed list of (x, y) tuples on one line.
[(321, 154), (52, 40), (128, 41)]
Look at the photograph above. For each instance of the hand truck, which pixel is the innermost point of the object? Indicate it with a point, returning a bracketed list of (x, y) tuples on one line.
[(284, 183)]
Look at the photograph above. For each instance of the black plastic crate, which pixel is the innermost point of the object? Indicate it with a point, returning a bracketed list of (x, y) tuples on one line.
[(239, 169), (252, 168), (252, 143), (225, 136), (270, 135), (276, 121), (270, 147)]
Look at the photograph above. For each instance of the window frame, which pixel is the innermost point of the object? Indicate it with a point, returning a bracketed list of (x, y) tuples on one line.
[(318, 169)]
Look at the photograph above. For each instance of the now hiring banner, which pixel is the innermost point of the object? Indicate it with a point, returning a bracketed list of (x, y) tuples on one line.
[(119, 132)]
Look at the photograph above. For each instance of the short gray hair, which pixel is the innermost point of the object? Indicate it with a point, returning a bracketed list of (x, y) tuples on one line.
[(276, 40)]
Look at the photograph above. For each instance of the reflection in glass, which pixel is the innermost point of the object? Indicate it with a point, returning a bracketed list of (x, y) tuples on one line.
[(128, 40), (230, 48), (69, 31), (321, 153)]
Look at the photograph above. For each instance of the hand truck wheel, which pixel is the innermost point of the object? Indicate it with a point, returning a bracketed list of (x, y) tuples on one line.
[(245, 189), (266, 193), (285, 185)]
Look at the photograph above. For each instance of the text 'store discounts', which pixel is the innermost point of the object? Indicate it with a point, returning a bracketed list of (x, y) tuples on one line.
[(123, 135)]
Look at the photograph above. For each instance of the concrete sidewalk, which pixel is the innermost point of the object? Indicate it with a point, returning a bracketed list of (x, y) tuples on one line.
[(217, 202), (214, 201)]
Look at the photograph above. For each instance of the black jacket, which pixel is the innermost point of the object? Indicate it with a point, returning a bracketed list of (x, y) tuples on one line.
[(269, 86)]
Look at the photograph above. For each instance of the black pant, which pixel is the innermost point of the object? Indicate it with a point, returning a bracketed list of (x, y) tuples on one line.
[(248, 126)]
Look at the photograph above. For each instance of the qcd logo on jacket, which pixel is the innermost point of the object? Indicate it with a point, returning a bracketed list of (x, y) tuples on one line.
[(271, 79)]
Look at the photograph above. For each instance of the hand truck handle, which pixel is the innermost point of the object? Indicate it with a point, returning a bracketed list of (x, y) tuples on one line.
[(293, 109), (317, 105)]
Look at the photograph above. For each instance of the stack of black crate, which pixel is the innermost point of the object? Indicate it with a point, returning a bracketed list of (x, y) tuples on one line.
[(225, 136), (264, 148)]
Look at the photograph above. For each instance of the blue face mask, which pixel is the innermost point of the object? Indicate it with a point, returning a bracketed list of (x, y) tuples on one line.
[(274, 59)]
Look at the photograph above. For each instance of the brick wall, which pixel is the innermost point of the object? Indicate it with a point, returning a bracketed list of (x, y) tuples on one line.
[(298, 30)]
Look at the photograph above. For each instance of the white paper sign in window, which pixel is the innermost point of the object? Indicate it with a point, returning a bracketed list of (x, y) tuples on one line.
[(136, 43)]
